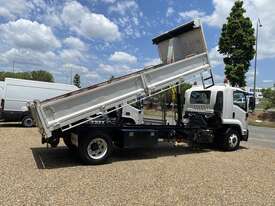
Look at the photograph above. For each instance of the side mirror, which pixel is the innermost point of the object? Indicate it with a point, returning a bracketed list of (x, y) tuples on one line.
[(252, 103)]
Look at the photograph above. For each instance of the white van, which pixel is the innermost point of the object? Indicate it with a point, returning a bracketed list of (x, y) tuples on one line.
[(1, 88), (1, 92), (17, 92)]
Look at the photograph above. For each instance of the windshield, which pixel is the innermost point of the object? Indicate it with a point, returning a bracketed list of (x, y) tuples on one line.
[(200, 97)]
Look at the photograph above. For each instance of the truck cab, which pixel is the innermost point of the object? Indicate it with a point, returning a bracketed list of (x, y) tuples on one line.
[(221, 108)]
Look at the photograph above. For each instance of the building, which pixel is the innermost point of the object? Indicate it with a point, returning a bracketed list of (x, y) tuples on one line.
[(258, 96)]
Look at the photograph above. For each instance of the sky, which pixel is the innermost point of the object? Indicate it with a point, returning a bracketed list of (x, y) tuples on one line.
[(102, 38)]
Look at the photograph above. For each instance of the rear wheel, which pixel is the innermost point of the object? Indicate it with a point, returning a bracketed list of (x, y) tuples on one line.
[(95, 148), (27, 121), (231, 140)]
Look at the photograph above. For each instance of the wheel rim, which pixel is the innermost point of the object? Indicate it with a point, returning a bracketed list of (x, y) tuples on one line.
[(233, 140), (28, 122), (97, 148)]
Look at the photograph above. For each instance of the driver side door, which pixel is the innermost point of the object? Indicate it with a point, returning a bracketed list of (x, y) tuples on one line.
[(240, 108)]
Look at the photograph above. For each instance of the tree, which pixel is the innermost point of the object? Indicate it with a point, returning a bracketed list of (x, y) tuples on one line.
[(77, 80), (269, 98), (41, 75), (237, 45), (34, 75)]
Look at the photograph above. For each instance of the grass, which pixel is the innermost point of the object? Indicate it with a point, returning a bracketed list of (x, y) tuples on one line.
[(263, 124), (260, 107)]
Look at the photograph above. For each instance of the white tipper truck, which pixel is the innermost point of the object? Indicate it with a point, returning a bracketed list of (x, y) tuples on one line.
[(212, 114)]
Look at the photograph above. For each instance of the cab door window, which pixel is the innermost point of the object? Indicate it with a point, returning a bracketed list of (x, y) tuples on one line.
[(239, 99)]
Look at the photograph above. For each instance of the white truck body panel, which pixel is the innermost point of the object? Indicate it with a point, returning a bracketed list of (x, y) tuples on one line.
[(76, 108), (18, 92), (1, 92), (136, 115), (1, 89)]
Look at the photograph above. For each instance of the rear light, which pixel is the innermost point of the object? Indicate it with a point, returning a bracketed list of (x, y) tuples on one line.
[(2, 104)]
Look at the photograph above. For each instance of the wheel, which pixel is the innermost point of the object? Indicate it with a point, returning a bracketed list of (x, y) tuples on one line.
[(27, 121), (95, 148), (68, 142), (231, 141)]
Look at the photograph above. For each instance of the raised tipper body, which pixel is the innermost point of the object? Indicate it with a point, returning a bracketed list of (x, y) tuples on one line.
[(183, 52)]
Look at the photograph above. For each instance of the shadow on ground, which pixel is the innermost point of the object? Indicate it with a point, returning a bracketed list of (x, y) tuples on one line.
[(61, 157), (11, 124)]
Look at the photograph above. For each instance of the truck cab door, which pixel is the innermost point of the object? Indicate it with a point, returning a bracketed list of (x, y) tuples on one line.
[(240, 108)]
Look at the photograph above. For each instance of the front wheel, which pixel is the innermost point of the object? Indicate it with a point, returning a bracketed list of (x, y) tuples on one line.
[(95, 148), (231, 141)]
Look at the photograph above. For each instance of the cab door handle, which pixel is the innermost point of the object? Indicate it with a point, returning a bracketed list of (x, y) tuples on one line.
[(233, 115)]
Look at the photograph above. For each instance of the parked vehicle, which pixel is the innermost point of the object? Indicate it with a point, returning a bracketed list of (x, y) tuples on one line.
[(17, 92), (211, 115), (1, 92), (1, 88)]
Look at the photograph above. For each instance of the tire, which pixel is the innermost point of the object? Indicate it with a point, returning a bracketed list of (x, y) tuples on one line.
[(68, 142), (27, 121), (231, 140), (95, 148)]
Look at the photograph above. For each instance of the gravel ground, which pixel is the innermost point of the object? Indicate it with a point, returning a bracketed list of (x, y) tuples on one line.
[(32, 175)]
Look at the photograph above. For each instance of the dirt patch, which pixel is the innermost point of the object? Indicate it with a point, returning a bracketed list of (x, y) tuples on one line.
[(259, 118), (264, 116)]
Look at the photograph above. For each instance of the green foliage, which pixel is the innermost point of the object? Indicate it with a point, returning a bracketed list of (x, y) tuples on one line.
[(77, 80), (266, 104), (269, 94), (269, 98), (184, 87), (39, 75), (237, 45)]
